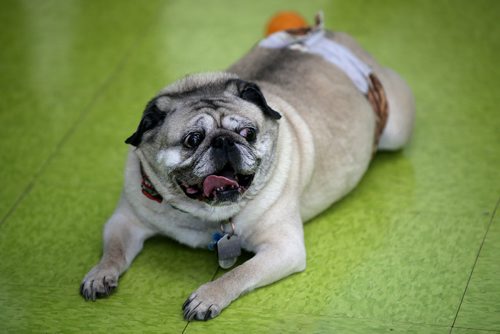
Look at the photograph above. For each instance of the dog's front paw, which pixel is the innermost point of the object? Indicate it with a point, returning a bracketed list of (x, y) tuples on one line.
[(206, 302), (99, 282)]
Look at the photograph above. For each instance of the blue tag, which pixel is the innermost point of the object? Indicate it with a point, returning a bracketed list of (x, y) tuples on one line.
[(215, 238)]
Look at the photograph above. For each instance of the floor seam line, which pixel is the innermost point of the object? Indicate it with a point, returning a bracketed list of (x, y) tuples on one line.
[(211, 279), (492, 218), (72, 129)]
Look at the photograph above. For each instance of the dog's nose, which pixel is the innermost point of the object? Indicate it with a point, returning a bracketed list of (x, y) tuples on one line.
[(222, 142)]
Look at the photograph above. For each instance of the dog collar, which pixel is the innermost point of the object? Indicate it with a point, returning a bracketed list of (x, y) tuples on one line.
[(148, 189)]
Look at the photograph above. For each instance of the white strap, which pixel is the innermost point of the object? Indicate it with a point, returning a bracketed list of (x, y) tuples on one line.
[(317, 43)]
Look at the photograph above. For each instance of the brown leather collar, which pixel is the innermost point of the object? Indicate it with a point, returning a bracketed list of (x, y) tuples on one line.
[(378, 100)]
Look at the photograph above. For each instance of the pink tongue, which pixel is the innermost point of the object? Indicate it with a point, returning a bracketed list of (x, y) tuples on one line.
[(213, 182)]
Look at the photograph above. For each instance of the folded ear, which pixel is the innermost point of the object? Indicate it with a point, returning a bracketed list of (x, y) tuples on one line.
[(151, 118), (250, 92)]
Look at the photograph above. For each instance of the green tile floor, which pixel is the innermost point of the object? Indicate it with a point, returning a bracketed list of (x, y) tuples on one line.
[(414, 249)]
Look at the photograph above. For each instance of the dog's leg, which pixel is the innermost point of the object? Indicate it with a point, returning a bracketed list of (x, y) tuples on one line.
[(124, 236), (280, 252)]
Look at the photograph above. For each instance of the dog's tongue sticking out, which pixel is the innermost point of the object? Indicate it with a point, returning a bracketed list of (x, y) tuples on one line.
[(213, 182)]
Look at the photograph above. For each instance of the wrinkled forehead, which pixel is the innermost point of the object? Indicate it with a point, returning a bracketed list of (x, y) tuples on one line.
[(207, 114), (225, 110)]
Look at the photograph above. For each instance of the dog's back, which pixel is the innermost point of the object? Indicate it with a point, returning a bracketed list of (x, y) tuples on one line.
[(338, 116)]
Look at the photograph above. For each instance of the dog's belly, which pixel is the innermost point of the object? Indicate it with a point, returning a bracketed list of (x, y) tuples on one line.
[(330, 108), (342, 125)]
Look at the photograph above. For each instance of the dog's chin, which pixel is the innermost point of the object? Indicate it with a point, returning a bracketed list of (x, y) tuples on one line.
[(224, 187)]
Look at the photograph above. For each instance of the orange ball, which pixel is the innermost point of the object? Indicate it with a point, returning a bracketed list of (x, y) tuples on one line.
[(284, 21)]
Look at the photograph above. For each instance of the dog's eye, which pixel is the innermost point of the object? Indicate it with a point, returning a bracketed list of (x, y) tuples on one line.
[(193, 139), (248, 133)]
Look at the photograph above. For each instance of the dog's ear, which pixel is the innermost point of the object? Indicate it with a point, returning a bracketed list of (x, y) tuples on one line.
[(151, 118), (250, 92)]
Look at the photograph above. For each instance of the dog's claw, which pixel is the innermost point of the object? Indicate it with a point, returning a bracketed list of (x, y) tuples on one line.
[(188, 301), (189, 314), (92, 291), (197, 308), (208, 314), (98, 283)]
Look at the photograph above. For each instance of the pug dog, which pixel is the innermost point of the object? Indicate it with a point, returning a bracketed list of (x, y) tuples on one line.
[(252, 153)]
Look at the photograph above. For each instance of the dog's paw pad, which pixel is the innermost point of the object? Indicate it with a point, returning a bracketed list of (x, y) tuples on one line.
[(98, 283), (196, 309)]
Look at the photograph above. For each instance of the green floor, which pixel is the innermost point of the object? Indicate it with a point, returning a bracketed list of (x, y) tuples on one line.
[(415, 248)]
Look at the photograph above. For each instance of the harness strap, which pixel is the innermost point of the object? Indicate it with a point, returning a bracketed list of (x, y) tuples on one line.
[(313, 40)]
